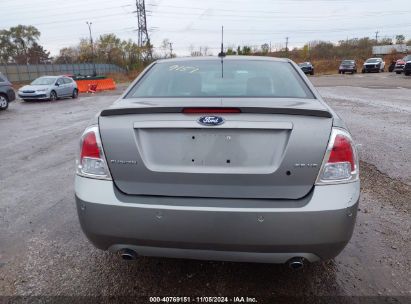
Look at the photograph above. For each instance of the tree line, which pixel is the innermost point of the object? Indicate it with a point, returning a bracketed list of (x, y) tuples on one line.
[(107, 48), (20, 45), (356, 48)]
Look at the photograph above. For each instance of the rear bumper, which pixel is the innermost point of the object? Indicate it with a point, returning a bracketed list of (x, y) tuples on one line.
[(215, 229)]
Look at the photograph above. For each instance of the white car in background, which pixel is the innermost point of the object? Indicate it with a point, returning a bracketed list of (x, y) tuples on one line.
[(49, 88), (373, 65)]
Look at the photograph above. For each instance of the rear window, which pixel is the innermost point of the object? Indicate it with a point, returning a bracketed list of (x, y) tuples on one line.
[(211, 78)]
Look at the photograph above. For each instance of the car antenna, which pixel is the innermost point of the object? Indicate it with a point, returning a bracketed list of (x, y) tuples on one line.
[(222, 54)]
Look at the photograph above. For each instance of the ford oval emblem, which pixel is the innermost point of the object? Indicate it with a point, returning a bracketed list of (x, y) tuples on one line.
[(211, 120)]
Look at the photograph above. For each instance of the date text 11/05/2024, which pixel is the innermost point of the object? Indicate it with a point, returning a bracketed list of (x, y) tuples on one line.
[(238, 299)]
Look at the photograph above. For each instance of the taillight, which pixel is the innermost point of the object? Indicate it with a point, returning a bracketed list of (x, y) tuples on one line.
[(89, 147), (92, 162), (342, 151), (340, 162)]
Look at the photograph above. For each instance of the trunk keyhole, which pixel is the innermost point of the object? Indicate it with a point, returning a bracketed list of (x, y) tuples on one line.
[(288, 172), (228, 161)]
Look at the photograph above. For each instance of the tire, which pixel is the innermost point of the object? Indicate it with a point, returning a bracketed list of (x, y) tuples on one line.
[(311, 73), (75, 94), (398, 72), (343, 72), (407, 73), (53, 96), (4, 102), (363, 71)]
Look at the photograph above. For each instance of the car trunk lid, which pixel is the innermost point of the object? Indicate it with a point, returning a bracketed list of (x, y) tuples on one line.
[(265, 151)]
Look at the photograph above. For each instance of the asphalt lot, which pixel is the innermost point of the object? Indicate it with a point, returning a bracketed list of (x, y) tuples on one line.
[(43, 251)]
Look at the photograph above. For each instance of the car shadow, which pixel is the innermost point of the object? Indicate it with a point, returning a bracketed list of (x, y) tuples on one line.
[(162, 276)]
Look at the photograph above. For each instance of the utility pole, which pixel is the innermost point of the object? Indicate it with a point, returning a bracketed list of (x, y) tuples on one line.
[(286, 45), (376, 37), (143, 38), (171, 50), (92, 48)]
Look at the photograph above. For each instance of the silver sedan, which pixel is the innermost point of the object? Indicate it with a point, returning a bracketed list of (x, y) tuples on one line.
[(49, 88), (234, 158)]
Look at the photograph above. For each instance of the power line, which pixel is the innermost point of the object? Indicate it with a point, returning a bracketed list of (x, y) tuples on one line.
[(263, 32), (281, 13), (213, 14), (241, 18), (67, 11), (80, 19), (48, 4)]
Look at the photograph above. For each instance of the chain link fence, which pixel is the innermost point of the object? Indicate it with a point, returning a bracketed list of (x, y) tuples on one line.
[(24, 73)]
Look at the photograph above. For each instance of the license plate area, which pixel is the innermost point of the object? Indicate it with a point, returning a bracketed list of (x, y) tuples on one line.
[(212, 150)]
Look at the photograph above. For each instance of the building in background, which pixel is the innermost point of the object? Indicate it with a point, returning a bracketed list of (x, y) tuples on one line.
[(382, 50)]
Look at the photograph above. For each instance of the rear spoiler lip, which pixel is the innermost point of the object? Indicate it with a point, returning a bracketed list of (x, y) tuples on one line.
[(248, 110)]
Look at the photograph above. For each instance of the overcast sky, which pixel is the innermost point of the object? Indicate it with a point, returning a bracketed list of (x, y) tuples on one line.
[(197, 23)]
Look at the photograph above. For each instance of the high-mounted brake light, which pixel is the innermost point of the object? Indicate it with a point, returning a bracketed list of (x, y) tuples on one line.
[(92, 162), (340, 164), (211, 110)]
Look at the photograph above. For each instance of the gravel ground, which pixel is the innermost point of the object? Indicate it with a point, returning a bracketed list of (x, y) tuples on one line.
[(44, 253)]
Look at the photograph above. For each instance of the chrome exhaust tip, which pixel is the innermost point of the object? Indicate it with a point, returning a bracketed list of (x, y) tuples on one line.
[(296, 263), (128, 254)]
